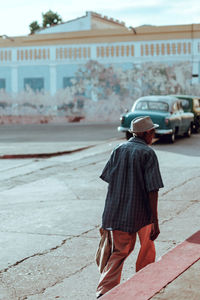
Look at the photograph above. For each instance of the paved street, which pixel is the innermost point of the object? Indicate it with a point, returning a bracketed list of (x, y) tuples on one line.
[(57, 132), (51, 210)]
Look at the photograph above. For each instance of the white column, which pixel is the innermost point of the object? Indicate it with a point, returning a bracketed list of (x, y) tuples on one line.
[(195, 72), (14, 80), (52, 54), (53, 77), (93, 52), (195, 62), (137, 49), (14, 55)]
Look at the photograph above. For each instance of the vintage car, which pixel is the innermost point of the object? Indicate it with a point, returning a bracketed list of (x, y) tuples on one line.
[(166, 111), (191, 104)]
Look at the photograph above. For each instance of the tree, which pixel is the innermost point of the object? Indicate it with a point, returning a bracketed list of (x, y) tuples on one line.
[(34, 26), (50, 18)]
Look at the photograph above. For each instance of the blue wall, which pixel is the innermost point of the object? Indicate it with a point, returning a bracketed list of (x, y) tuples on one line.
[(33, 72), (66, 71), (5, 73)]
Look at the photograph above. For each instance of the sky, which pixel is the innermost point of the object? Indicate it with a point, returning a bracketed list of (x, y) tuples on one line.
[(16, 15)]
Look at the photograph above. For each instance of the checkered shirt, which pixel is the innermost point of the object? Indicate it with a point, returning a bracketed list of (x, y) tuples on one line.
[(131, 172)]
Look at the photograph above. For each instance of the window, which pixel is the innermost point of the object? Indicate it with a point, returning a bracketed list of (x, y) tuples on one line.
[(2, 84), (67, 82), (152, 105), (158, 106), (142, 106), (185, 103), (36, 84)]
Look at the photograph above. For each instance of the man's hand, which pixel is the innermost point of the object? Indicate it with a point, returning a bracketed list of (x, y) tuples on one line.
[(153, 201), (155, 231)]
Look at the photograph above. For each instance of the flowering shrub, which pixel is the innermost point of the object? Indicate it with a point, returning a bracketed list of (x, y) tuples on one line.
[(103, 92)]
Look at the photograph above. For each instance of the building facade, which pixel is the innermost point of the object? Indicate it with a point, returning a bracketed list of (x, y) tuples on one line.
[(94, 59)]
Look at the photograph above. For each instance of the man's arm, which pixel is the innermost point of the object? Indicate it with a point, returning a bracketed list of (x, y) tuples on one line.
[(153, 201)]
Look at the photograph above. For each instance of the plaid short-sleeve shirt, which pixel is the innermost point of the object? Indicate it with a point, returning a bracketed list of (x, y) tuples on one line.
[(131, 172)]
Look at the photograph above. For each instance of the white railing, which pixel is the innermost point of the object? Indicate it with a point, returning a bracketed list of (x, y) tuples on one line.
[(80, 53)]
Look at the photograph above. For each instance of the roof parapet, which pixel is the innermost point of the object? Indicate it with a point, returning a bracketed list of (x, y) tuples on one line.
[(94, 14)]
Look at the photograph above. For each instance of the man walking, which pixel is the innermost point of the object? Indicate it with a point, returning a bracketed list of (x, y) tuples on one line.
[(133, 178)]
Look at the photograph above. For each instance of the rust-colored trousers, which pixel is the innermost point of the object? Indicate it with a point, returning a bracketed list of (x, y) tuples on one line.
[(124, 243)]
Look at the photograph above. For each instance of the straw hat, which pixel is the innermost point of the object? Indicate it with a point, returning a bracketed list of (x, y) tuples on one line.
[(142, 124)]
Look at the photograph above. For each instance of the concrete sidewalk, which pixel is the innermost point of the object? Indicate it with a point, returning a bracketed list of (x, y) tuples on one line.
[(42, 150), (185, 286)]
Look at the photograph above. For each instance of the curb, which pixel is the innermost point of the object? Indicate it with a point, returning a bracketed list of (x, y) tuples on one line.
[(150, 280), (43, 155)]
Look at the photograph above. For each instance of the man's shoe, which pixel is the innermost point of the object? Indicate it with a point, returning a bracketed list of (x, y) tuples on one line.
[(99, 296)]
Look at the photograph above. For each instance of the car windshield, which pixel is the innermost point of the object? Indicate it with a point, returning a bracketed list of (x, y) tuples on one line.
[(152, 105)]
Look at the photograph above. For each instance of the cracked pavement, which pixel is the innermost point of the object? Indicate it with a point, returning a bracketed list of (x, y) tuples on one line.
[(51, 211)]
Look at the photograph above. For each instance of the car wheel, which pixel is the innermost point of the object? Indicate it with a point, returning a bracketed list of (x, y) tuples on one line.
[(171, 138), (189, 132), (128, 135)]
